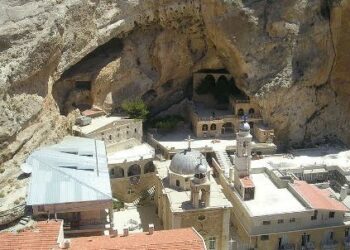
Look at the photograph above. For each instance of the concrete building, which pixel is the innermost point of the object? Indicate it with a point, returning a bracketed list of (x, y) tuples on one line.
[(274, 212), (188, 196), (117, 132), (132, 172), (70, 181)]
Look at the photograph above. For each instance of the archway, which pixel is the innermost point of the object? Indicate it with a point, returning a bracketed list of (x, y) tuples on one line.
[(149, 168), (134, 170), (251, 111), (118, 172), (241, 112), (204, 127), (227, 128)]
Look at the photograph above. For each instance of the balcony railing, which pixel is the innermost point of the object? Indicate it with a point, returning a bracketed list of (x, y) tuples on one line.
[(308, 246), (329, 245), (287, 246)]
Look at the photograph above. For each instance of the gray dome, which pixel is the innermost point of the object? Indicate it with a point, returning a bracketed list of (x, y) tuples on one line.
[(245, 126), (188, 162)]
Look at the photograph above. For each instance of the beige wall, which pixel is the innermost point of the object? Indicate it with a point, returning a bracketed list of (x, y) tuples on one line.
[(123, 190)]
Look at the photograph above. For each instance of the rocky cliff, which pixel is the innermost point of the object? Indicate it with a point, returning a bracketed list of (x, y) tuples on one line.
[(289, 55)]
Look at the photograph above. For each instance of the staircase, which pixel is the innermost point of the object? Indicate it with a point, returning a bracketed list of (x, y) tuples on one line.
[(224, 161), (147, 194)]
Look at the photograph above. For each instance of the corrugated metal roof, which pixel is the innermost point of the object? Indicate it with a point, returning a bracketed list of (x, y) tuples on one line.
[(74, 170)]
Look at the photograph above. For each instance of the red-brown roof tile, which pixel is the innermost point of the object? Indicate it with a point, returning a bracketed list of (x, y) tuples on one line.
[(318, 198), (181, 239), (44, 235), (247, 182)]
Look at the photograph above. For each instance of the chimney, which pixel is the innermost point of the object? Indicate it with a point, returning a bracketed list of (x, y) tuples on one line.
[(126, 231), (151, 229), (343, 192), (231, 174), (65, 244)]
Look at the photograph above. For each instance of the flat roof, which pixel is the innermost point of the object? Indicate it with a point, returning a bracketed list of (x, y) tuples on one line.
[(317, 198), (203, 111), (97, 123), (270, 200), (143, 151), (313, 158), (180, 201), (74, 170)]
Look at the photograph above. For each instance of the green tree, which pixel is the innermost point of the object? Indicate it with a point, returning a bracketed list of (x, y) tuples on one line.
[(136, 109)]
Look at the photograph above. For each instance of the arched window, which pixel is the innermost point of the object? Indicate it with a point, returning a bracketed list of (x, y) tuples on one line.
[(110, 137), (204, 127), (251, 124), (177, 183), (118, 172), (213, 127), (135, 130), (251, 111), (240, 112), (149, 168), (134, 170)]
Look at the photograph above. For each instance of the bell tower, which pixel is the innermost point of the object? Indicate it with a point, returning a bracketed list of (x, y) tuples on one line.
[(200, 186), (243, 151)]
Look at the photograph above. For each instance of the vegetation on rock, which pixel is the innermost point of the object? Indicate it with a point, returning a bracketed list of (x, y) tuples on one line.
[(136, 109)]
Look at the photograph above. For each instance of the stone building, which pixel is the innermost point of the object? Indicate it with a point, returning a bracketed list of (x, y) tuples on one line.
[(70, 181), (187, 195), (278, 213), (132, 172), (117, 132)]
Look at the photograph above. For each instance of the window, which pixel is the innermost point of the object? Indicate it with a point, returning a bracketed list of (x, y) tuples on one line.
[(177, 183), (135, 130), (204, 127), (201, 217), (130, 191), (292, 220), (314, 217), (110, 137), (213, 127), (264, 237), (212, 243), (280, 221), (266, 222), (346, 233), (240, 112), (112, 172), (331, 214), (251, 111)]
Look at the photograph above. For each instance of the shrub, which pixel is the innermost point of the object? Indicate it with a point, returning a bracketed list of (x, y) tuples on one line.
[(136, 109), (117, 205), (167, 122)]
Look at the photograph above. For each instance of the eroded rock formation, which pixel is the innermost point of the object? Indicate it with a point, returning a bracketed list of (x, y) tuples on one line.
[(290, 55)]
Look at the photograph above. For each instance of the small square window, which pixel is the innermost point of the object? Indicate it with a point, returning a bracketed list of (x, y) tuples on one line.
[(264, 237), (266, 222), (331, 214), (292, 220), (280, 221)]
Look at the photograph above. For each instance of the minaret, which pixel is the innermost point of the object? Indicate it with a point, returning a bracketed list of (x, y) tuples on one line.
[(243, 151)]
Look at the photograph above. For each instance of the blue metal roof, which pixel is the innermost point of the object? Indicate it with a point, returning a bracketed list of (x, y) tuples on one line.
[(74, 170)]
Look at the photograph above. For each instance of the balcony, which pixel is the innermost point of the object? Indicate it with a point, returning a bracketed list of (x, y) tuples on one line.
[(287, 246), (308, 246), (329, 245)]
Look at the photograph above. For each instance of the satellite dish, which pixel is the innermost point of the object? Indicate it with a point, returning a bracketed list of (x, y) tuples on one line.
[(26, 168)]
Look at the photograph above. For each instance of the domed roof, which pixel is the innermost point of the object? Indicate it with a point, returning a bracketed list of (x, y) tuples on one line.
[(188, 162), (244, 126), (201, 169)]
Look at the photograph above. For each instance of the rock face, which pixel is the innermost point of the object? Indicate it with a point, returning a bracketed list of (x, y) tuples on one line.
[(289, 55)]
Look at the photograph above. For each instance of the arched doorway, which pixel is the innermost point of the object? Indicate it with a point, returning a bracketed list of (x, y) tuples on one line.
[(134, 170), (227, 128), (149, 168), (118, 172)]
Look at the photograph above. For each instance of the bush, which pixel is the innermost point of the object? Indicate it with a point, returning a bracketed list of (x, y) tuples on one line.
[(117, 205), (168, 122), (136, 109)]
